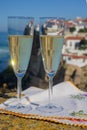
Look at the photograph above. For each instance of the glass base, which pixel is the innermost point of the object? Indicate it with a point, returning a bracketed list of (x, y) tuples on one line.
[(18, 107), (50, 108)]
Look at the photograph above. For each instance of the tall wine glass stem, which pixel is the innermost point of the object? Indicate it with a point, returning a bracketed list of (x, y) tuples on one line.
[(50, 89), (19, 88)]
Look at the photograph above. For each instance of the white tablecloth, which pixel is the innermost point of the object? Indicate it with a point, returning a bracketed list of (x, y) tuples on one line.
[(65, 94)]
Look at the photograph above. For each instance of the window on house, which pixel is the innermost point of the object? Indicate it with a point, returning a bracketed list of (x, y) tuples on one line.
[(69, 58), (76, 45), (70, 44)]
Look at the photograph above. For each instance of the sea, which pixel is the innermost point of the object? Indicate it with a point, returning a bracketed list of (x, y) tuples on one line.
[(4, 51)]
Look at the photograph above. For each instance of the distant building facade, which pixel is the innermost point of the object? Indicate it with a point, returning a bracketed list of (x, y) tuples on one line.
[(72, 54)]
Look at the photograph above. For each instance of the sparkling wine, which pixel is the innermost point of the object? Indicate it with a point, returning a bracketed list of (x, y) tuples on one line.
[(51, 52), (20, 49)]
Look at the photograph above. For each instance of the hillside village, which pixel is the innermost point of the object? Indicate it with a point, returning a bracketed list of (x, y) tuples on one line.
[(75, 46)]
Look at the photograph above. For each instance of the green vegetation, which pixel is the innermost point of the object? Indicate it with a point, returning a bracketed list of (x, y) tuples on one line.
[(83, 30), (72, 29), (85, 74), (83, 44)]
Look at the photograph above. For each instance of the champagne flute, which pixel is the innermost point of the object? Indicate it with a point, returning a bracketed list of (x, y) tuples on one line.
[(51, 42), (20, 36)]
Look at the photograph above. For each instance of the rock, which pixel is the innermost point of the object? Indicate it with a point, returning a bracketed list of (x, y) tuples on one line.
[(5, 85), (39, 83)]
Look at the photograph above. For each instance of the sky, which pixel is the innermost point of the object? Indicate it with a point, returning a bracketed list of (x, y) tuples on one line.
[(68, 9)]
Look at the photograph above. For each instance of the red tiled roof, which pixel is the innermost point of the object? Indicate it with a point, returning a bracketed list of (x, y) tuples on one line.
[(85, 20), (69, 24), (75, 56), (74, 38)]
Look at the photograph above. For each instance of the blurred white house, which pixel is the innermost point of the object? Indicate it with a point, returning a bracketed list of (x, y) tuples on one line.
[(72, 54)]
